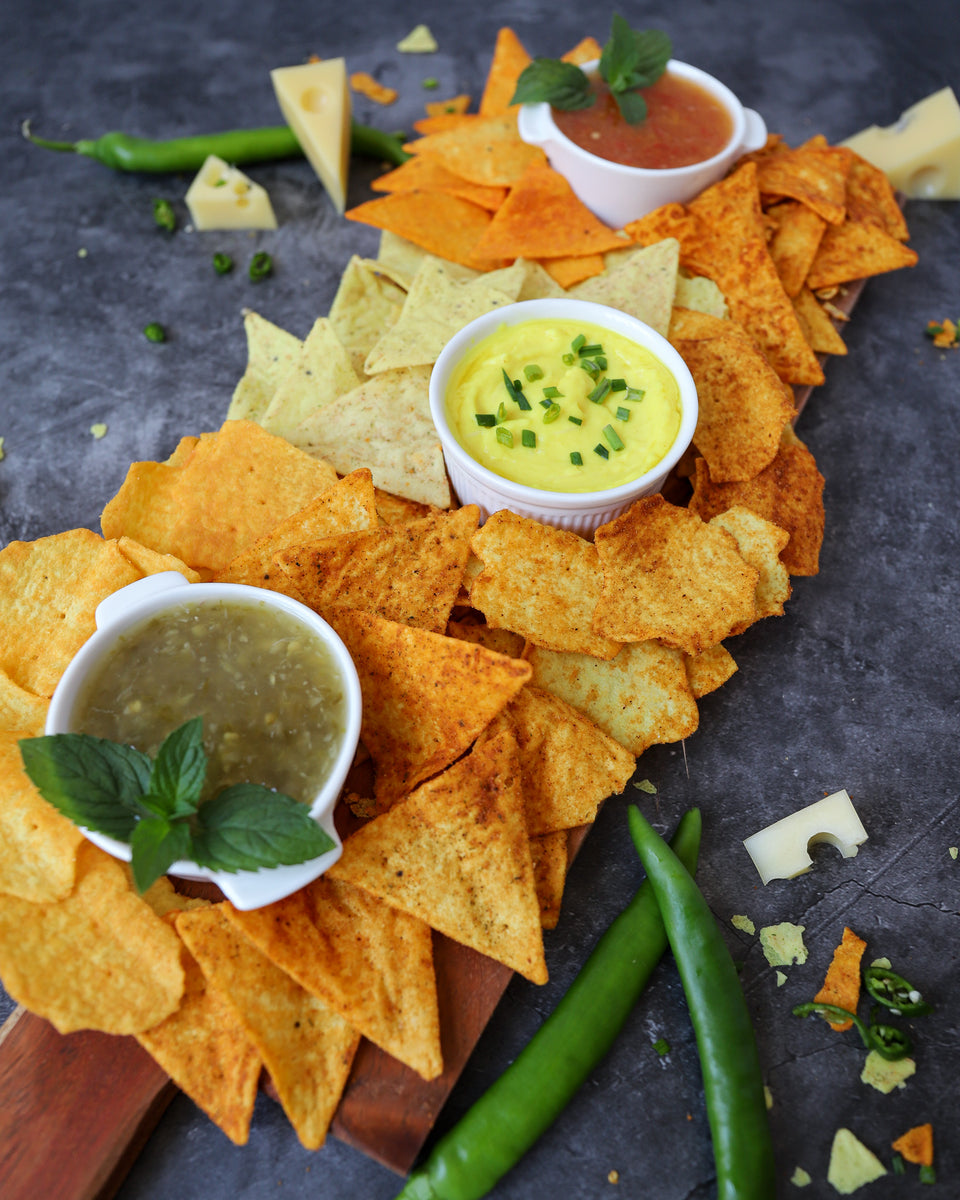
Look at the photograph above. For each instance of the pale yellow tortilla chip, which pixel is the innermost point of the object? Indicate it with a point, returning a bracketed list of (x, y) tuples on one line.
[(641, 698), (98, 958), (456, 854), (539, 582), (384, 424), (402, 259), (368, 962), (761, 543), (149, 562), (701, 294), (306, 1047), (20, 709), (38, 846), (271, 353), (367, 302), (321, 374), (643, 284)]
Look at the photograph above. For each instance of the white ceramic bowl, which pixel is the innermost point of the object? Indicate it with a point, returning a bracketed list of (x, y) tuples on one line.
[(579, 512), (157, 593), (618, 194)]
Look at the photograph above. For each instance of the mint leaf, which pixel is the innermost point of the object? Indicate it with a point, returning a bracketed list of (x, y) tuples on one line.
[(156, 845), (92, 781), (248, 826), (633, 58), (633, 107), (178, 772), (558, 83)]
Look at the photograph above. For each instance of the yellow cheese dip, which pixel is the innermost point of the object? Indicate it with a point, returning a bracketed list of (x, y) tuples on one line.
[(619, 435)]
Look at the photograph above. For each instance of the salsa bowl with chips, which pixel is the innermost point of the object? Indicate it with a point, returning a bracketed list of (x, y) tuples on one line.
[(617, 192), (275, 686), (562, 410)]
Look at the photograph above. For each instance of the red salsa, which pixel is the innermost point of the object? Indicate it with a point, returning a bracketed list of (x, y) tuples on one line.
[(684, 125)]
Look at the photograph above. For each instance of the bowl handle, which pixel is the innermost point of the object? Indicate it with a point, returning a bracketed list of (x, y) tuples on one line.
[(534, 124), (117, 603), (755, 133)]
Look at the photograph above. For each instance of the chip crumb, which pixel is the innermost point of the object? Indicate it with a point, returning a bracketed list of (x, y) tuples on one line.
[(781, 979), (662, 1046), (738, 921), (645, 785), (916, 1145), (953, 849), (82, 252), (418, 41), (613, 1177), (2, 456), (882, 962), (851, 1163), (944, 334), (767, 1097), (98, 429), (365, 84), (801, 1178), (783, 944)]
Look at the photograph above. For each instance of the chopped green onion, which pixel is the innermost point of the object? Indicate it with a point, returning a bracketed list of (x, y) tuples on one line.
[(487, 420), (576, 420), (576, 458), (623, 414), (634, 393), (222, 264), (897, 1165), (601, 362), (577, 342), (504, 436), (601, 450), (533, 372), (515, 391), (430, 84), (662, 1046), (600, 392), (553, 393), (528, 438), (590, 351), (260, 265), (545, 403), (927, 1174), (164, 215), (568, 360), (155, 333), (551, 414), (501, 412), (618, 385), (612, 437), (591, 366)]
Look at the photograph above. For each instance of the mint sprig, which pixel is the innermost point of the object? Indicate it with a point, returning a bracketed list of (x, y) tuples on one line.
[(155, 805), (631, 59)]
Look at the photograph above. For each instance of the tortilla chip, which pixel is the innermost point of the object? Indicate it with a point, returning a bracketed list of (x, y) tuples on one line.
[(509, 60), (397, 510), (149, 562), (322, 372), (347, 506), (668, 575), (818, 328), (855, 250), (420, 172), (442, 122), (271, 353), (183, 452), (426, 697), (709, 670), (559, 744), (364, 84), (587, 50), (871, 199), (701, 294), (456, 854), (452, 107), (548, 853), (307, 1048), (385, 425), (38, 846), (485, 149), (542, 583), (367, 302), (641, 698), (760, 543), (643, 284), (700, 248), (916, 1145), (543, 218), (408, 573), (572, 269), (795, 242), (841, 987), (49, 592), (814, 173), (21, 709), (538, 282), (237, 485), (743, 405), (500, 640), (205, 1051), (437, 306), (368, 962), (439, 222), (789, 493), (96, 959)]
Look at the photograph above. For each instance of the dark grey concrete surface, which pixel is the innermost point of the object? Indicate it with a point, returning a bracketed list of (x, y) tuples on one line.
[(855, 687)]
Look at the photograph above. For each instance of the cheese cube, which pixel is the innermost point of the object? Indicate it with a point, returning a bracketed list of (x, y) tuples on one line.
[(222, 197), (920, 154), (780, 851), (315, 101)]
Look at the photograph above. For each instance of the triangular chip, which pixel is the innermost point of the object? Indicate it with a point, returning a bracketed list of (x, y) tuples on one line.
[(456, 854), (643, 284), (409, 573), (549, 855), (668, 575), (420, 172), (385, 425), (569, 270), (426, 697), (540, 582), (149, 562), (509, 60), (368, 962), (21, 709), (760, 543), (486, 150), (271, 353), (709, 670), (818, 328), (367, 302), (441, 223), (814, 173), (871, 199), (856, 250), (586, 50), (789, 493), (641, 698), (322, 372), (307, 1048), (794, 244)]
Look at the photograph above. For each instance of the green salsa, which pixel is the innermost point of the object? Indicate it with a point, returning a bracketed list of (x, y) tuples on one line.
[(269, 691)]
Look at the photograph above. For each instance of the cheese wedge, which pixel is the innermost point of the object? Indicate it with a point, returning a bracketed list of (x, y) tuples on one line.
[(920, 154), (315, 101), (780, 851), (222, 197)]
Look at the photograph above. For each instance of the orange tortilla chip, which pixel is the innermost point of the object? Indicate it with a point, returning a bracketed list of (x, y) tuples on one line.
[(424, 173), (549, 855), (444, 122), (789, 493), (509, 60), (668, 575), (814, 173), (543, 218), (794, 245), (871, 199), (455, 106), (586, 50), (818, 328), (841, 987), (456, 854), (426, 697), (566, 271), (366, 85), (485, 150), (855, 250), (916, 1145), (439, 222), (709, 670)]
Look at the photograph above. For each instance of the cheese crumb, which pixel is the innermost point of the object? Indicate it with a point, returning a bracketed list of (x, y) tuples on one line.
[(738, 921), (1, 449), (851, 1163), (82, 252), (781, 979), (98, 430), (954, 850), (783, 944), (767, 1097), (801, 1178), (884, 1075), (418, 41)]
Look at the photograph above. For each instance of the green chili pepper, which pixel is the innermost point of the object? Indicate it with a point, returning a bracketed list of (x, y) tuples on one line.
[(890, 1043), (155, 332), (222, 263), (164, 215), (893, 991), (732, 1080), (123, 152), (509, 1117), (260, 265)]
